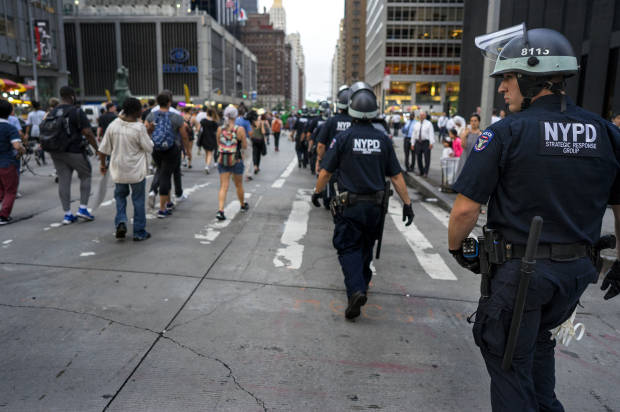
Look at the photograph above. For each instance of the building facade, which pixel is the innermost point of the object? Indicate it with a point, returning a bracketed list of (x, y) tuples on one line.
[(354, 40), (250, 6), (297, 66), (277, 16), (338, 63), (274, 60), (592, 27), (161, 52), (16, 37), (418, 44)]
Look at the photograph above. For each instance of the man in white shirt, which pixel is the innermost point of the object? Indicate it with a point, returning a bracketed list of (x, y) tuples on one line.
[(128, 144), (442, 123), (495, 117), (422, 140)]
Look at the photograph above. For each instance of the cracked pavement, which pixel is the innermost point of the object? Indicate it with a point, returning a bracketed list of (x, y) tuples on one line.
[(174, 324)]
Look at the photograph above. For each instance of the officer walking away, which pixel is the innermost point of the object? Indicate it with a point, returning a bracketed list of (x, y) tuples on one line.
[(551, 159), (314, 127), (363, 156)]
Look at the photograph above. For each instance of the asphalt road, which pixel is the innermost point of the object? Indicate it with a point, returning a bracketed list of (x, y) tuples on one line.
[(247, 315)]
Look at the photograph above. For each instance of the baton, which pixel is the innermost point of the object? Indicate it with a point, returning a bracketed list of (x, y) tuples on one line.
[(527, 268)]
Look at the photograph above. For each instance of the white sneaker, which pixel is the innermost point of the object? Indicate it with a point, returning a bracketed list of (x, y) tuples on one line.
[(151, 201), (207, 169), (183, 198)]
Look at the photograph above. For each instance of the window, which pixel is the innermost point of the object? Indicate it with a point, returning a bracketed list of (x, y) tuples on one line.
[(7, 27)]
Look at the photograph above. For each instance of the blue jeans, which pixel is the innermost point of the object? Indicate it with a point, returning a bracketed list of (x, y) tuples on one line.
[(121, 191)]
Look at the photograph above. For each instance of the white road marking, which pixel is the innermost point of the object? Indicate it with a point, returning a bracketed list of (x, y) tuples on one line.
[(56, 225), (287, 172), (432, 263), (107, 202), (6, 242), (211, 231), (87, 254), (444, 217), (294, 230)]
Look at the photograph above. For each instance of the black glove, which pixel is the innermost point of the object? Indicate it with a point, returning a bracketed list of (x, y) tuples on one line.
[(612, 281), (469, 264), (408, 214), (315, 199)]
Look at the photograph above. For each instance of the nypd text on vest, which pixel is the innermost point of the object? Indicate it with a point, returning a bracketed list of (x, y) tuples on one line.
[(366, 146), (572, 139)]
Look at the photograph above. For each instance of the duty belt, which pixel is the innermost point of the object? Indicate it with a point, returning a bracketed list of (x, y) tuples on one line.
[(559, 252), (354, 198)]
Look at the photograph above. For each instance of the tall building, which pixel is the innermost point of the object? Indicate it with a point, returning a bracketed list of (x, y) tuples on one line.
[(355, 40), (161, 51), (277, 15), (592, 27), (337, 79), (295, 40), (16, 50), (297, 64), (274, 60), (419, 45)]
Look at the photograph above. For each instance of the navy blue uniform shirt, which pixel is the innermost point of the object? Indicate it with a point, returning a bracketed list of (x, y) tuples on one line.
[(314, 126), (363, 157), (334, 125), (563, 167), (300, 127)]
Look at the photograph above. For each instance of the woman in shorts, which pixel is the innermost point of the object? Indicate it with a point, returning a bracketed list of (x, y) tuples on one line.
[(231, 142), (208, 139)]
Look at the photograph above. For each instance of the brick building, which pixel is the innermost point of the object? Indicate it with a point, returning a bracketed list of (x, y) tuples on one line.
[(354, 40), (274, 60)]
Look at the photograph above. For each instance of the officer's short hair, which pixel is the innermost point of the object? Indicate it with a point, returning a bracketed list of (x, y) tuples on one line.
[(6, 109), (615, 115)]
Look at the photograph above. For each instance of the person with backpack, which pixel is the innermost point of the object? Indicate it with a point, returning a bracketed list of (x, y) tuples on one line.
[(61, 134), (10, 149), (208, 139), (129, 146), (276, 128), (164, 126), (231, 142)]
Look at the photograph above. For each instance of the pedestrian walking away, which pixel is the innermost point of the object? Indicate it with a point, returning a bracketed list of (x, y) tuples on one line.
[(363, 156), (232, 142), (258, 141), (164, 127), (10, 149), (129, 146), (208, 139), (61, 135), (245, 120), (276, 128), (521, 165)]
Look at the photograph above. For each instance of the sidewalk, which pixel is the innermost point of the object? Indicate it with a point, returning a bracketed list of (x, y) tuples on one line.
[(430, 188)]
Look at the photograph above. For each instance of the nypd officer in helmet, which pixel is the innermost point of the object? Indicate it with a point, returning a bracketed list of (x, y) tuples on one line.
[(363, 157), (552, 159)]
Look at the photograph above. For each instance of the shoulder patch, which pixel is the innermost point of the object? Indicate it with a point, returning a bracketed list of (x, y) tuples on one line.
[(333, 143), (484, 140)]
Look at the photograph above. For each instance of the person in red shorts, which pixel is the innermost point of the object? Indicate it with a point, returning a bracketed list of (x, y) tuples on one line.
[(10, 149)]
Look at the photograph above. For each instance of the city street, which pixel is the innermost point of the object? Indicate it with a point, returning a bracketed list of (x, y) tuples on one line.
[(247, 314)]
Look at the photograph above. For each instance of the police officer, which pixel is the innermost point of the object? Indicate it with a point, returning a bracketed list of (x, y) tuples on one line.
[(299, 135), (314, 126), (363, 157), (552, 159), (334, 125)]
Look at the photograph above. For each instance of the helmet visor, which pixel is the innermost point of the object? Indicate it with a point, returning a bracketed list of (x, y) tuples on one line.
[(491, 44)]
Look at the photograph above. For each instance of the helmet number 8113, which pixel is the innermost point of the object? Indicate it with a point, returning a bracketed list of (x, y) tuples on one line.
[(532, 51)]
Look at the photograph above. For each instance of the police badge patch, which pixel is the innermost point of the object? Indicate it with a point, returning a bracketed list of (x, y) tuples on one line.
[(333, 143), (484, 140)]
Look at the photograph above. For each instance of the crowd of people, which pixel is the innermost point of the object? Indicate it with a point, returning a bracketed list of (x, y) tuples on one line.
[(132, 141)]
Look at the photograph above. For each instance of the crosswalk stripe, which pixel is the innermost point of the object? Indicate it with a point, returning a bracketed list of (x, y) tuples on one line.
[(295, 229), (287, 172), (211, 231), (432, 263), (444, 217)]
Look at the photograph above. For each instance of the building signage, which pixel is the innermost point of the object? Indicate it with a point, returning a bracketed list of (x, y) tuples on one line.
[(179, 56), (43, 40)]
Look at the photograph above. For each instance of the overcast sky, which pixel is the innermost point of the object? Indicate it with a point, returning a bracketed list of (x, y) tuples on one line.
[(317, 21)]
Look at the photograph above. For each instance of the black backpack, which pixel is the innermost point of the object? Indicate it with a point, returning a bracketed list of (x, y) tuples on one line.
[(55, 132)]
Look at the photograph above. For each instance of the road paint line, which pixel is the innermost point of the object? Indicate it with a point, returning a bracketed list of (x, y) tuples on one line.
[(83, 254), (211, 231), (295, 229), (444, 217), (107, 202), (195, 188), (432, 263), (287, 172), (6, 242)]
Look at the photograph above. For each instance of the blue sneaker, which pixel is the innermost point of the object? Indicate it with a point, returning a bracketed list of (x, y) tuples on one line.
[(84, 214), (162, 214), (170, 206), (68, 219)]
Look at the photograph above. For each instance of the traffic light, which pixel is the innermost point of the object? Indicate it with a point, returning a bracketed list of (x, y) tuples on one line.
[(245, 96)]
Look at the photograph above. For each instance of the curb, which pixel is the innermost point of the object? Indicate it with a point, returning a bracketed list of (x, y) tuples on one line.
[(428, 190)]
